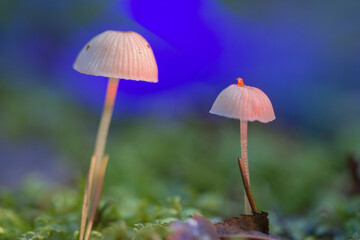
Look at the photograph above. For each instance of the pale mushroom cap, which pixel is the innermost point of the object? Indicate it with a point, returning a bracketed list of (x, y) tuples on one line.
[(243, 103), (116, 54)]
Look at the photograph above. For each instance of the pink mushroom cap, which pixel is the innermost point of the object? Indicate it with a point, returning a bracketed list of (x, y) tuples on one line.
[(116, 54), (244, 103)]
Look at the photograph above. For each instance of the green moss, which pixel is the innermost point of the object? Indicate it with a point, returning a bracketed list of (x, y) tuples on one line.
[(163, 170)]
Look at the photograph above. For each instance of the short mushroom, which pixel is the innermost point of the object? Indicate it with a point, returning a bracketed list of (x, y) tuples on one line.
[(112, 54), (246, 104)]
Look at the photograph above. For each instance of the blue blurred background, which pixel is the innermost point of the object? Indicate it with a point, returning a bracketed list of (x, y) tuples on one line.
[(303, 54)]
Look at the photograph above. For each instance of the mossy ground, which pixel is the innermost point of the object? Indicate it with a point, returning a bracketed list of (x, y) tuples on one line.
[(164, 169)]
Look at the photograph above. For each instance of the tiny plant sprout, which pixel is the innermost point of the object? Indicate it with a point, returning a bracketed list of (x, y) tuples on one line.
[(112, 54), (244, 103)]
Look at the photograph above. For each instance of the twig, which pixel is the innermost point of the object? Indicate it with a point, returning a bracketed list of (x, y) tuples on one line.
[(353, 167), (246, 186), (87, 193), (99, 213), (96, 195)]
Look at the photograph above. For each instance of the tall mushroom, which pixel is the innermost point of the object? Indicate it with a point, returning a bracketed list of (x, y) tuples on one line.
[(112, 54), (246, 104)]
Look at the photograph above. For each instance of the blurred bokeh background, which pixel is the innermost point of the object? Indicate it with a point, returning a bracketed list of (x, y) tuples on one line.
[(163, 142)]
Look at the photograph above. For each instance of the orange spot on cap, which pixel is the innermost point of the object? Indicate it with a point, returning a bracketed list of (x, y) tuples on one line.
[(240, 82)]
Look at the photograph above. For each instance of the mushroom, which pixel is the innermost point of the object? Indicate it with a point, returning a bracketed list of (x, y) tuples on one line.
[(246, 104), (112, 54)]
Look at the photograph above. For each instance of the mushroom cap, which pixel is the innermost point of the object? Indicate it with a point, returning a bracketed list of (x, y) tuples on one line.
[(116, 54), (243, 103)]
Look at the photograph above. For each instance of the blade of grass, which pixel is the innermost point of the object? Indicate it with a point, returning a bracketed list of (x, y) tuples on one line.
[(246, 185), (87, 192), (96, 195)]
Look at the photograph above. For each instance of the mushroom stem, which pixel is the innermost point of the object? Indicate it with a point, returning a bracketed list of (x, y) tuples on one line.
[(105, 120), (244, 157), (95, 178)]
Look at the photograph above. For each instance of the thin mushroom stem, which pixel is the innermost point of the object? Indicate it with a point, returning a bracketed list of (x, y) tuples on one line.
[(94, 186), (103, 131), (105, 120), (244, 157), (247, 185)]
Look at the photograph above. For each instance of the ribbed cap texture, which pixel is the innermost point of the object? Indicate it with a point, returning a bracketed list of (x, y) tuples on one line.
[(116, 54), (243, 103)]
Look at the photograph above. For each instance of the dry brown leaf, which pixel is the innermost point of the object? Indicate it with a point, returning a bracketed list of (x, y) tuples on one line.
[(257, 222)]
